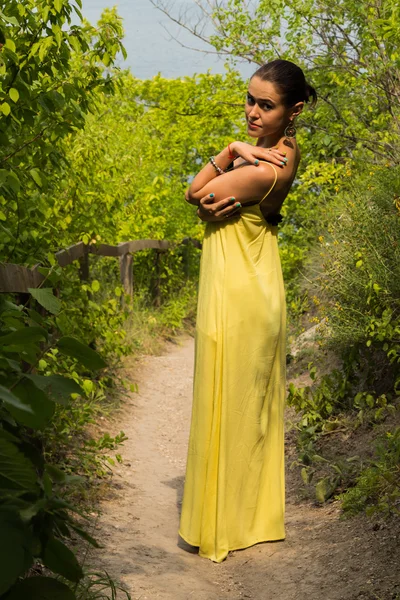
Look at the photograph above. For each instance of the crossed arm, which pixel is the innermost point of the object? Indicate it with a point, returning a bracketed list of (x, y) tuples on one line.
[(249, 181)]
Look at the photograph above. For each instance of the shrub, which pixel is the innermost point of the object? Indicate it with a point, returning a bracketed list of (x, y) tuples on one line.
[(377, 488)]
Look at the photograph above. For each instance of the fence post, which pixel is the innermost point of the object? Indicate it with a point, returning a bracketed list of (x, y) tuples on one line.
[(84, 265), (156, 287), (126, 273)]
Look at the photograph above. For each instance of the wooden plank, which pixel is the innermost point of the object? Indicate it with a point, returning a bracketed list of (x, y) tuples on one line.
[(136, 245), (128, 247), (156, 281), (17, 278), (105, 250), (126, 273), (67, 256), (84, 266)]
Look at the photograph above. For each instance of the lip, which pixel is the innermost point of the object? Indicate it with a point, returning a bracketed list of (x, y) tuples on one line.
[(253, 125)]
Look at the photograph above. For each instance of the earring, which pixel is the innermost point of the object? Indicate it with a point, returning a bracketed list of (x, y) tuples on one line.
[(290, 131)]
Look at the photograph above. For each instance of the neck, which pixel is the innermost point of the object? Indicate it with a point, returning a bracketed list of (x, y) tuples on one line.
[(269, 140)]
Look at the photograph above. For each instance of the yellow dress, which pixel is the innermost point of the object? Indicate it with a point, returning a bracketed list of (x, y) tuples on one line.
[(234, 492)]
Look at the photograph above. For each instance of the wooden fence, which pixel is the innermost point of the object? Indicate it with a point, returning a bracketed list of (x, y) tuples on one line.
[(17, 278)]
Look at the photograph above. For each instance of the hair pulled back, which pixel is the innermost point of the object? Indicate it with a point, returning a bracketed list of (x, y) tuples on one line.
[(290, 81)]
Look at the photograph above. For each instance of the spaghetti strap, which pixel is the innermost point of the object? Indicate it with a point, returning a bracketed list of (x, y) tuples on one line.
[(273, 185)]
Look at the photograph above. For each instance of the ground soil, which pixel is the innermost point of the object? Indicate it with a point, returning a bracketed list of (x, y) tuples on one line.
[(322, 558)]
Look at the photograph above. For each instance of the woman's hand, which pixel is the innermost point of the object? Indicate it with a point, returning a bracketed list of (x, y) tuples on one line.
[(225, 209), (252, 154)]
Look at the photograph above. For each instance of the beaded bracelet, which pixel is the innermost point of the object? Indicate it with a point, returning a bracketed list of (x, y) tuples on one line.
[(216, 167)]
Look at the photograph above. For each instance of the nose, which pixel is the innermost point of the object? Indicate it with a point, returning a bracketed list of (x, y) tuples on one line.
[(254, 112)]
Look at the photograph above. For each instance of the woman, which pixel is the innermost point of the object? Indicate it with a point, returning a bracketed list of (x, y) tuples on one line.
[(234, 488)]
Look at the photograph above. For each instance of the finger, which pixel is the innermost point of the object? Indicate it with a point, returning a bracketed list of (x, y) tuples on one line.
[(226, 202), (277, 158), (209, 199), (218, 206), (229, 210), (277, 151)]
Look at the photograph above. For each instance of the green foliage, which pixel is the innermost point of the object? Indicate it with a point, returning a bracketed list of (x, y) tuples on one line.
[(100, 586), (330, 406), (319, 403), (362, 263), (377, 488), (50, 74), (322, 477), (34, 513)]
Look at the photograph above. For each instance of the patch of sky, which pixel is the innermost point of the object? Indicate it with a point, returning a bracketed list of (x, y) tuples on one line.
[(155, 44)]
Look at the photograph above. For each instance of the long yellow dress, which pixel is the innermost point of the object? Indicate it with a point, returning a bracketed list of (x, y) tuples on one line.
[(234, 492)]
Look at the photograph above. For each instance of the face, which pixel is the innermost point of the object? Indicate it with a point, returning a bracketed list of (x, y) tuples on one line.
[(265, 112)]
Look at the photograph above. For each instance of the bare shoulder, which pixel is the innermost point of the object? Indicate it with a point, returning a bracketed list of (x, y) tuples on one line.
[(269, 172)]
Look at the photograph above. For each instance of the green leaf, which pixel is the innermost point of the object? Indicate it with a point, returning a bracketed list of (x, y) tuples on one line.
[(58, 387), (58, 4), (84, 534), (42, 408), (13, 181), (10, 44), (73, 347), (8, 19), (60, 559), (17, 473), (36, 177), (322, 490), (25, 335), (304, 475), (10, 399), (14, 94), (59, 476), (15, 555), (46, 298), (5, 109), (41, 588)]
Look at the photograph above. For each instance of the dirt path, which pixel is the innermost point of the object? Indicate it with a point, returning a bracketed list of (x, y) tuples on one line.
[(322, 558)]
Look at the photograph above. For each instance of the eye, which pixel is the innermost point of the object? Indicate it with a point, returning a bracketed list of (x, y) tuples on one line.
[(249, 99), (266, 106)]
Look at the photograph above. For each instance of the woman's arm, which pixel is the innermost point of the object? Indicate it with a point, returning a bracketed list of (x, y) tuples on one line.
[(210, 211), (208, 173), (245, 184), (199, 186)]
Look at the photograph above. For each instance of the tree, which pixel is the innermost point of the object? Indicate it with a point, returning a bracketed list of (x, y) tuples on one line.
[(50, 73)]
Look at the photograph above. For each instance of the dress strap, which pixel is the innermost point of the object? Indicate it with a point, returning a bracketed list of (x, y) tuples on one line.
[(273, 185)]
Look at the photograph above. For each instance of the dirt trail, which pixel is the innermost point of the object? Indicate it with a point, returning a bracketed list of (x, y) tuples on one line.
[(322, 558)]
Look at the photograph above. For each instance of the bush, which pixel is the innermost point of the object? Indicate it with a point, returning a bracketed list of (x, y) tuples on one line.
[(361, 276), (377, 489)]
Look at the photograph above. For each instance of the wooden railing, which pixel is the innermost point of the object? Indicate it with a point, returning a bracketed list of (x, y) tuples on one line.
[(17, 278)]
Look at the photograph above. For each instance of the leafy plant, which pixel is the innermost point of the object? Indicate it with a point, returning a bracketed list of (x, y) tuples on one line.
[(35, 516), (377, 488), (100, 586)]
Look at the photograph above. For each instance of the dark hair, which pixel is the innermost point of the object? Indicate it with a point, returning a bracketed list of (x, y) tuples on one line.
[(290, 81)]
